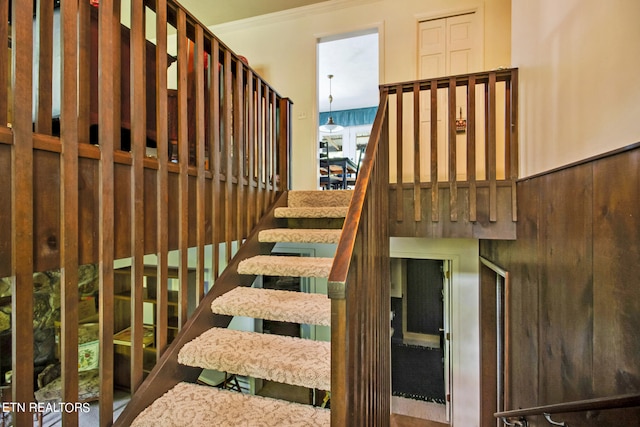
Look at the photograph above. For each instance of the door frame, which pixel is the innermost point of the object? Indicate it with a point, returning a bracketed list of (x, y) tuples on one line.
[(451, 267), (494, 348), (417, 338)]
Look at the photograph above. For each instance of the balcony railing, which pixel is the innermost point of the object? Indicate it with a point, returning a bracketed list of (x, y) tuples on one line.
[(454, 155)]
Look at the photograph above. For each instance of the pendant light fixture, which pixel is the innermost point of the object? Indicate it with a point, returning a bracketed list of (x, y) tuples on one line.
[(330, 126)]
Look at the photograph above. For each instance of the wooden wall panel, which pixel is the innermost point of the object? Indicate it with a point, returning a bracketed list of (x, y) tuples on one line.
[(488, 346), (88, 208), (150, 210), (47, 200), (122, 211), (521, 258), (444, 227), (566, 281), (484, 228), (616, 274), (575, 299), (46, 210)]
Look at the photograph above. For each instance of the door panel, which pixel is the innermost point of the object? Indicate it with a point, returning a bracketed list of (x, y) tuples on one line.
[(432, 48), (423, 312), (446, 46)]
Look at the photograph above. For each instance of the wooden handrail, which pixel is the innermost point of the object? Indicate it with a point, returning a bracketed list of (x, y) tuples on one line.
[(599, 403), (502, 74), (359, 290), (342, 262)]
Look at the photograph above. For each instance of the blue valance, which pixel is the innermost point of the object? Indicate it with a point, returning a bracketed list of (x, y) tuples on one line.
[(355, 117)]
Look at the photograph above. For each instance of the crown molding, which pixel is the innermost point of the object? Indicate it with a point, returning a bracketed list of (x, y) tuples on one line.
[(289, 14)]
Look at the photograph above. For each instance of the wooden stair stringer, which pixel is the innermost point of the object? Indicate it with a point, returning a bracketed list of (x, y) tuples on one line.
[(167, 372)]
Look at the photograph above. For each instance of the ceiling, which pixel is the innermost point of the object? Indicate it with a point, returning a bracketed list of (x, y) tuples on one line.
[(219, 11), (351, 58), (353, 62)]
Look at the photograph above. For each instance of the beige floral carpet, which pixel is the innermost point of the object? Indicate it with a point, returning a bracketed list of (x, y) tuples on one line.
[(189, 405)]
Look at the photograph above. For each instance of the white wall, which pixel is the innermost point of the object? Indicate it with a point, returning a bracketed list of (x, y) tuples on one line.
[(281, 47), (464, 300), (579, 86)]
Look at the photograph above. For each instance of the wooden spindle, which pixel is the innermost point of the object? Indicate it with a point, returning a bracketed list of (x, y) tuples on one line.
[(399, 154)]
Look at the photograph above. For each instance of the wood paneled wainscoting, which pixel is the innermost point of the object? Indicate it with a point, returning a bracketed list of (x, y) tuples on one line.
[(574, 294)]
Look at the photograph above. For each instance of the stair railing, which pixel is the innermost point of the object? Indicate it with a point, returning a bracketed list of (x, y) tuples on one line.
[(519, 416), (359, 289), (108, 163)]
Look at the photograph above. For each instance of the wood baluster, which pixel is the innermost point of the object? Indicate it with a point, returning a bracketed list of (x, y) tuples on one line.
[(491, 145), (471, 148), (435, 194), (267, 146), (399, 154), (85, 49), (453, 144), (199, 68), (108, 128), (417, 199), (162, 179), (250, 206), (273, 147), (137, 99), (217, 233), (239, 143), (69, 208), (4, 67), (513, 132), (284, 136), (227, 121), (260, 145), (44, 96), (183, 162), (22, 212)]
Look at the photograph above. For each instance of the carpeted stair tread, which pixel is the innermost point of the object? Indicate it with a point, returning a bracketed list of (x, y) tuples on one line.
[(317, 198), (310, 235), (278, 305), (188, 405), (311, 212), (292, 266), (284, 359)]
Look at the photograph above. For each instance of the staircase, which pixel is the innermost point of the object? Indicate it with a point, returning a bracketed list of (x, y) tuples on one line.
[(311, 217)]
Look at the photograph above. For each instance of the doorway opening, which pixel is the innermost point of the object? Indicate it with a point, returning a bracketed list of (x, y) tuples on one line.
[(420, 341), (347, 82)]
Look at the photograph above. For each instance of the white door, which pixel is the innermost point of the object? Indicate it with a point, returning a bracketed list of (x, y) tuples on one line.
[(446, 46)]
